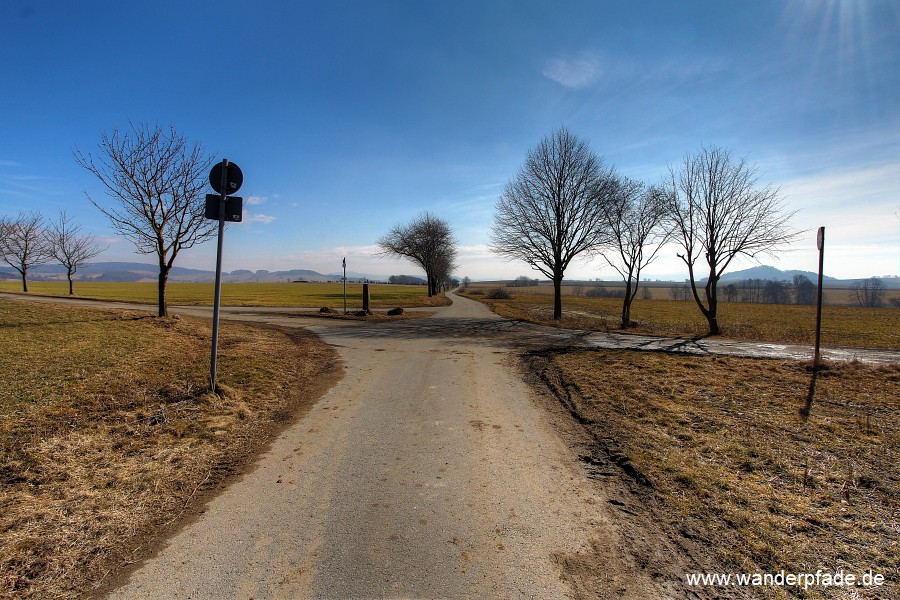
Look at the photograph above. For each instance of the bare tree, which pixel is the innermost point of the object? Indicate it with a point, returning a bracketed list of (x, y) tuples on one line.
[(523, 281), (157, 180), (680, 292), (443, 269), (428, 242), (23, 243), (551, 211), (69, 247), (718, 212), (731, 292), (804, 289), (776, 292), (869, 292), (635, 219)]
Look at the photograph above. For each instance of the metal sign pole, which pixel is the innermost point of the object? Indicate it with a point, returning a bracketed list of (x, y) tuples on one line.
[(820, 242), (215, 325), (811, 394)]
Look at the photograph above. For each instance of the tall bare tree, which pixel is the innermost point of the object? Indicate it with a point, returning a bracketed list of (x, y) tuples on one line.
[(635, 219), (427, 241), (23, 243), (718, 211), (157, 180), (70, 247), (551, 211)]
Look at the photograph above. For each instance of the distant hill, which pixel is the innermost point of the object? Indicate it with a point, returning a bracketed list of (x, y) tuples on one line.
[(769, 273), (131, 272)]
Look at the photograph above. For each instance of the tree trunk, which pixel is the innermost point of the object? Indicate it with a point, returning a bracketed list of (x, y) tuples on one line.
[(71, 287), (626, 306), (24, 281), (712, 312), (163, 278), (557, 297), (709, 312), (713, 324)]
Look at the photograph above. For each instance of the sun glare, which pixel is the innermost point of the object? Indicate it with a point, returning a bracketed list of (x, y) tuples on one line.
[(839, 34)]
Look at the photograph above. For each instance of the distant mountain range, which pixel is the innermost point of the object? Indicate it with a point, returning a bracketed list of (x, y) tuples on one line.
[(768, 273), (129, 271)]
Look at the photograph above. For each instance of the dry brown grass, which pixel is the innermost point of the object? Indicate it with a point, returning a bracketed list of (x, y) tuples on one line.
[(107, 431), (736, 467), (841, 325)]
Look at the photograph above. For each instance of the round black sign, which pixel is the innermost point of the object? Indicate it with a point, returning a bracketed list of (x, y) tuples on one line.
[(233, 178)]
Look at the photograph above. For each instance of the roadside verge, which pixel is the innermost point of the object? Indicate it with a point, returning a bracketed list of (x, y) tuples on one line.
[(109, 441)]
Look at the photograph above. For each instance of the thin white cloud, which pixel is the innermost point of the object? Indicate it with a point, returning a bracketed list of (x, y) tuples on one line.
[(258, 218), (255, 200), (574, 72), (847, 186)]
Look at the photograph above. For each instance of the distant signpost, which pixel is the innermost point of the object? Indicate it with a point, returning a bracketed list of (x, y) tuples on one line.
[(225, 178)]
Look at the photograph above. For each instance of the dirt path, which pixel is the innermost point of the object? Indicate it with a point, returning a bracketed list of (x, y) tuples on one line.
[(428, 471), (432, 470), (517, 334)]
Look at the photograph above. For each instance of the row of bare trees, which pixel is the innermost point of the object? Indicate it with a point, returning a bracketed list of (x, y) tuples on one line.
[(156, 179), (564, 202), (27, 241)]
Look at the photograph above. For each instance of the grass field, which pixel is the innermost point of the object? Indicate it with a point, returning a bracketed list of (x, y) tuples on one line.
[(662, 290), (107, 432), (733, 464), (787, 323), (301, 295)]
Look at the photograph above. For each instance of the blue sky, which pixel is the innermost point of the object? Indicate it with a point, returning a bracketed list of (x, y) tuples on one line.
[(350, 117)]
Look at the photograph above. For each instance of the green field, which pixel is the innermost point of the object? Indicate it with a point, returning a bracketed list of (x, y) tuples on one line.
[(303, 295)]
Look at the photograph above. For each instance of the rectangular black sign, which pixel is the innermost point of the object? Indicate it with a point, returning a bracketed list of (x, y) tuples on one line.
[(233, 207)]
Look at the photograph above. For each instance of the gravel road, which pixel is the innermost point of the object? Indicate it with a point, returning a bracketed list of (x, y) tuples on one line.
[(428, 471)]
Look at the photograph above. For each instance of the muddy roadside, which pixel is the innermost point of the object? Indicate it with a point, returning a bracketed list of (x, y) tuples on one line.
[(641, 540)]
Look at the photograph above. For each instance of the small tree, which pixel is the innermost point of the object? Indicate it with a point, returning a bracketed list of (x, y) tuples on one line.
[(69, 247), (157, 180), (427, 241), (551, 211), (24, 244), (634, 217), (731, 292), (717, 212), (523, 281), (804, 290), (776, 292), (869, 292), (680, 292)]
